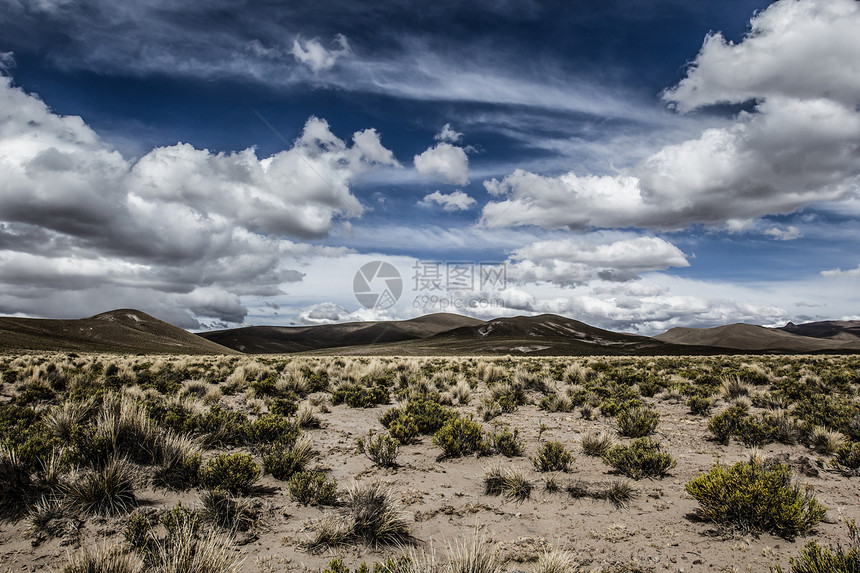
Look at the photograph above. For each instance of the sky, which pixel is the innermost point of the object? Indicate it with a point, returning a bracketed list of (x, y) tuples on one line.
[(635, 165)]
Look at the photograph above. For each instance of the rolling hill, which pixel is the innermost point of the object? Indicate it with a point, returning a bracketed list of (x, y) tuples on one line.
[(543, 335), (844, 330), (283, 339), (121, 331), (748, 337)]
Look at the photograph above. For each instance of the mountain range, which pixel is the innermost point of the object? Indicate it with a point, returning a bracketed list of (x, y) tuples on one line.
[(132, 331)]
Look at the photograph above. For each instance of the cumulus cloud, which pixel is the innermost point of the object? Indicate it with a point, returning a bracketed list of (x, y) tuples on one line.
[(200, 228), (323, 313), (578, 261), (799, 145), (456, 201), (444, 161), (448, 134), (816, 41), (788, 234), (316, 56)]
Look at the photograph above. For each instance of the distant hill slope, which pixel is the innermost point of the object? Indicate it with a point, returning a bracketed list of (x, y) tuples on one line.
[(543, 335), (123, 331), (748, 337), (845, 330), (283, 339)]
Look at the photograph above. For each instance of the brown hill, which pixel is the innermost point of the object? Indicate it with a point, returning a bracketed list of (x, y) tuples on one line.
[(748, 337), (121, 331), (546, 334), (284, 339), (845, 330)]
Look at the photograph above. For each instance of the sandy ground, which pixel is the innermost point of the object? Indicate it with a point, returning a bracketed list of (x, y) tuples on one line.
[(445, 504)]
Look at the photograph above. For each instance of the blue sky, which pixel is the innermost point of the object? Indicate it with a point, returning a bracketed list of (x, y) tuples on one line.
[(636, 165)]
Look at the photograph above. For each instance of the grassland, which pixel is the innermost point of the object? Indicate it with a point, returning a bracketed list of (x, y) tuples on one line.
[(279, 463)]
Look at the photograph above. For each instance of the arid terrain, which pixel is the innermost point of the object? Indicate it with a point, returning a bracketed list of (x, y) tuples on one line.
[(105, 455)]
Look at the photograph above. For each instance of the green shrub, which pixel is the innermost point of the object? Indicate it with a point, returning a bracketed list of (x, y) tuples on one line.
[(381, 449), (283, 406), (460, 437), (312, 488), (506, 443), (358, 396), (273, 428), (754, 496), (552, 457), (637, 423), (235, 473), (816, 559), (699, 405), (138, 531), (420, 416), (725, 424), (642, 458)]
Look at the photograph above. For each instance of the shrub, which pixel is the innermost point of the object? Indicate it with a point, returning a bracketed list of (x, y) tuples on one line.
[(235, 473), (273, 428), (725, 424), (306, 418), (358, 396), (824, 441), (699, 405), (596, 443), (556, 561), (848, 457), (107, 491), (312, 488), (460, 437), (642, 458), (283, 460), (374, 518), (816, 559), (419, 417), (552, 457), (105, 560), (16, 487), (637, 423), (187, 552), (179, 463), (506, 443), (754, 496), (138, 531), (226, 511), (381, 449), (512, 482), (282, 406)]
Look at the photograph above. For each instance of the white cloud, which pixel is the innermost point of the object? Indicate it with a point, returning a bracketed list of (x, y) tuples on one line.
[(182, 230), (444, 160), (456, 201), (788, 234), (578, 261), (448, 134), (805, 50), (7, 61), (315, 56), (795, 149), (841, 273)]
